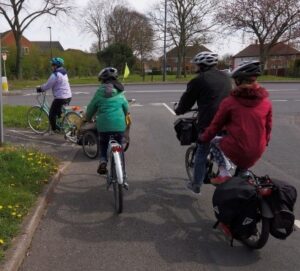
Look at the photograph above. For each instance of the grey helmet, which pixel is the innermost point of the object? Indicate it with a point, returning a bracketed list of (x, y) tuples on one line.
[(205, 58), (247, 69), (108, 73)]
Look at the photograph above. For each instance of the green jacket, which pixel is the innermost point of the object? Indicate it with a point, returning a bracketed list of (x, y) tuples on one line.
[(110, 106)]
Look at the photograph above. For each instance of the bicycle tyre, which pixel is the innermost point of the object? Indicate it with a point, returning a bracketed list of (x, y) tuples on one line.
[(190, 161), (90, 144), (262, 238), (38, 120), (70, 126), (117, 189)]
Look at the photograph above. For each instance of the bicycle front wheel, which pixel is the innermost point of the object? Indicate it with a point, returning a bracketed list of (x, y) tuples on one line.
[(70, 126), (117, 189), (38, 120), (190, 161), (90, 144)]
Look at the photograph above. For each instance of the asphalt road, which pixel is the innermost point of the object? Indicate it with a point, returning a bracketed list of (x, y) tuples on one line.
[(163, 226)]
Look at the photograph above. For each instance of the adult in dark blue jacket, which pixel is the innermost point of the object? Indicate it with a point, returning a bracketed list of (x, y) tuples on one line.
[(208, 89)]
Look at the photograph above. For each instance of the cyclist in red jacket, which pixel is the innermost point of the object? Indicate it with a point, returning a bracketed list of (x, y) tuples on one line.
[(246, 115)]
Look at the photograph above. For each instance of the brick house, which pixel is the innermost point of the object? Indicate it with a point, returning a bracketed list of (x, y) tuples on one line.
[(280, 56), (191, 51), (8, 39)]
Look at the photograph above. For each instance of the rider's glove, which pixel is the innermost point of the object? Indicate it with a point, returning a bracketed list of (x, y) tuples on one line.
[(39, 89)]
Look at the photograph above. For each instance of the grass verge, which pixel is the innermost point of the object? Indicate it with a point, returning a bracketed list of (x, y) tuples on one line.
[(23, 173), (133, 78), (15, 116)]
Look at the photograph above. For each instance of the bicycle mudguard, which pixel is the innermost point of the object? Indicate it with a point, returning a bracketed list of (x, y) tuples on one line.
[(118, 165), (266, 210)]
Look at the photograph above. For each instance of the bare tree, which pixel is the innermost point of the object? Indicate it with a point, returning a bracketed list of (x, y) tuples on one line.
[(21, 13), (271, 21), (188, 22), (94, 17), (132, 28)]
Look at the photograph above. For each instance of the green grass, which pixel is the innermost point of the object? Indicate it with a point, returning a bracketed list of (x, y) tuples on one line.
[(23, 173), (15, 116), (133, 78)]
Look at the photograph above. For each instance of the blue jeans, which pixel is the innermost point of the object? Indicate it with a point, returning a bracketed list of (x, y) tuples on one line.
[(200, 163), (104, 139)]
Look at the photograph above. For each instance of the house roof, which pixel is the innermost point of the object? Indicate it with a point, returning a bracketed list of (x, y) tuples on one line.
[(45, 45), (279, 49), (191, 51), (4, 33)]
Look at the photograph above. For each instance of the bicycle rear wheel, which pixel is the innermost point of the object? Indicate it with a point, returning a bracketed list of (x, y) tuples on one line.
[(90, 144), (190, 161), (117, 188), (38, 120), (70, 126)]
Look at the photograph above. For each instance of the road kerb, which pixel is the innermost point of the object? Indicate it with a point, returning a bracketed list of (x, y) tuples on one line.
[(15, 255)]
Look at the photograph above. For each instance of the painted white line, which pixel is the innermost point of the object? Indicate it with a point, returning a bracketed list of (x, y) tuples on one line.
[(136, 105), (170, 109), (297, 223), (279, 100), (156, 104), (80, 92), (21, 132)]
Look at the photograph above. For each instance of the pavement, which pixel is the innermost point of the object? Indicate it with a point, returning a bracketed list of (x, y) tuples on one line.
[(56, 146)]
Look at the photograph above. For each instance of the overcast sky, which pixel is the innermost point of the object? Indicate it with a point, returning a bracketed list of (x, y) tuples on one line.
[(70, 37)]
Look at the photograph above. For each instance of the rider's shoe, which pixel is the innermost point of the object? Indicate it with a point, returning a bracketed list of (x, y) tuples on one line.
[(194, 188), (102, 170), (219, 180)]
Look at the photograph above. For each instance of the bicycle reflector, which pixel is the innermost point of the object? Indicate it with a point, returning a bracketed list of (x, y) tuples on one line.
[(117, 149)]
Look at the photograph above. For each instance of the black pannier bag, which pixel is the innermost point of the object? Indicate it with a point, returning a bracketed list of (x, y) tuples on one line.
[(282, 203), (186, 131), (236, 204)]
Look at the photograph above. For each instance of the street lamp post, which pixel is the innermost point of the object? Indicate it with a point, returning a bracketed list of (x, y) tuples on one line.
[(165, 44), (50, 40)]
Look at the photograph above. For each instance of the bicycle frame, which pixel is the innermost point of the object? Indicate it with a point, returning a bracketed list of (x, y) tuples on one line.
[(43, 102)]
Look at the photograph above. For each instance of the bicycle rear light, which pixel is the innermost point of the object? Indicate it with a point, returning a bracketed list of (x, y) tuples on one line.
[(116, 148)]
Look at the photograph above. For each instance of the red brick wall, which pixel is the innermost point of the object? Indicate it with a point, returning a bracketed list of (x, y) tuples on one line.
[(9, 40)]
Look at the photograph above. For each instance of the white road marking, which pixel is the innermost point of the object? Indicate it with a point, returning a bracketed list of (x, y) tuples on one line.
[(136, 105), (80, 92), (279, 100), (156, 104), (170, 109), (297, 223)]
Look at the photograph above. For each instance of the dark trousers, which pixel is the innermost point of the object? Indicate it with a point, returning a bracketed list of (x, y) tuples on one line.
[(104, 139), (55, 111)]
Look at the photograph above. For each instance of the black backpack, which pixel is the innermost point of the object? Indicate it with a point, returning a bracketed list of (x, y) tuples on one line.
[(235, 204), (282, 203), (186, 131)]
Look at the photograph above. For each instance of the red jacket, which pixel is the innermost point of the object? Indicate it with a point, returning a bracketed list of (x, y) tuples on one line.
[(246, 115)]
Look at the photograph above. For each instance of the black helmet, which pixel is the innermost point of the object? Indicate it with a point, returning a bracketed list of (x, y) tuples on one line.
[(247, 69), (108, 73)]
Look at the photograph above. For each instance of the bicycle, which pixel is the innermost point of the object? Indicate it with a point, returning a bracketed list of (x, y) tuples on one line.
[(69, 123), (262, 185), (116, 176)]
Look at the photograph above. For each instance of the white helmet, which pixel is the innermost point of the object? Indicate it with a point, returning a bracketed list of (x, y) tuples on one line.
[(205, 58)]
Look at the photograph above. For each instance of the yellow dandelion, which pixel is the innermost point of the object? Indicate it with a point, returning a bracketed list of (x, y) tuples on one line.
[(19, 215), (13, 213), (1, 242), (1, 207), (9, 207)]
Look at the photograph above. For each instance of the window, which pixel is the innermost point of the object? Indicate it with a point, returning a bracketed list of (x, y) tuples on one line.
[(25, 51)]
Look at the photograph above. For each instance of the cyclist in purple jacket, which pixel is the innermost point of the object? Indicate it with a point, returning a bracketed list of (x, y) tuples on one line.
[(59, 83)]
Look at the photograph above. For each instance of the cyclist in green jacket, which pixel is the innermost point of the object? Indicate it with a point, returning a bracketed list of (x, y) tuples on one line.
[(110, 106)]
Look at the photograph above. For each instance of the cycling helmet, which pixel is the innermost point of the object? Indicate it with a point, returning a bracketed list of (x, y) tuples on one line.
[(205, 58), (57, 61), (107, 73), (247, 69)]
